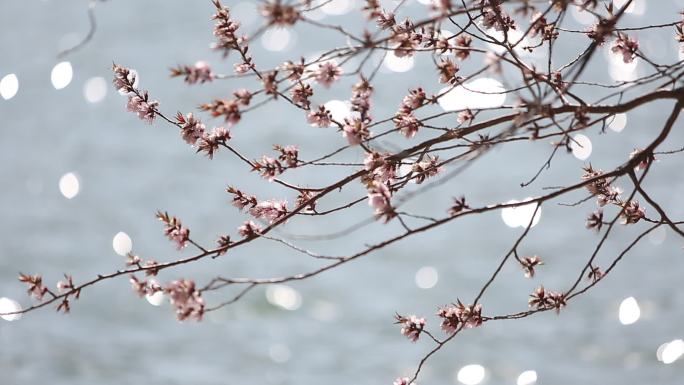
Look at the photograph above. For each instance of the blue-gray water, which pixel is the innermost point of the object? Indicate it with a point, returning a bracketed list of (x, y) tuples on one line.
[(343, 331)]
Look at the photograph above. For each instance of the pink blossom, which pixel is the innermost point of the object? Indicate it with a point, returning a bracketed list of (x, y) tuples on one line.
[(412, 326), (225, 30), (270, 210), (268, 167), (456, 315), (174, 230), (288, 155), (223, 243), (132, 260), (186, 299), (240, 199), (627, 51), (66, 285), (465, 116), (300, 94), (151, 267), (320, 118), (328, 73), (143, 107), (405, 39), (201, 72), (494, 16), (447, 71), (381, 170), (403, 381), (242, 68), (386, 20), (305, 197), (296, 70), (221, 134), (462, 48), (471, 315), (229, 109), (426, 169), (407, 124), (360, 99), (243, 96), (355, 130), (179, 236), (529, 264), (632, 213), (609, 195), (125, 79), (35, 285), (278, 13), (543, 299), (451, 319), (249, 229), (415, 99), (209, 143), (379, 196), (139, 287), (379, 199), (626, 46), (270, 83), (191, 128), (372, 160), (557, 300), (595, 220), (600, 187)]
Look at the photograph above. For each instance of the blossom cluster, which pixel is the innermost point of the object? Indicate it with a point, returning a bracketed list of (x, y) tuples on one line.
[(270, 210), (126, 81), (459, 315), (268, 167), (403, 381), (412, 326), (35, 285), (426, 168), (626, 47), (542, 299), (600, 187), (186, 299), (379, 198), (225, 30), (201, 72), (529, 263), (174, 229), (249, 229)]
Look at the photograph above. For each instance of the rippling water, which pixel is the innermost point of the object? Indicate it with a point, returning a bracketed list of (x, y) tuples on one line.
[(342, 330)]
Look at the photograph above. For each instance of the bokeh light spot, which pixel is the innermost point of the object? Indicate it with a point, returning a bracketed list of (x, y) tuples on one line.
[(426, 277), (61, 75), (95, 89), (528, 377), (9, 306), (471, 374), (629, 311), (69, 185), (122, 243), (284, 296), (581, 146), (9, 86)]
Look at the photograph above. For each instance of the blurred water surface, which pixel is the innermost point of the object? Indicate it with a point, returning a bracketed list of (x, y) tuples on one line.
[(342, 333)]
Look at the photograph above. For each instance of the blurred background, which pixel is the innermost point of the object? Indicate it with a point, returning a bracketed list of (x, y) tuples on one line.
[(77, 170)]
